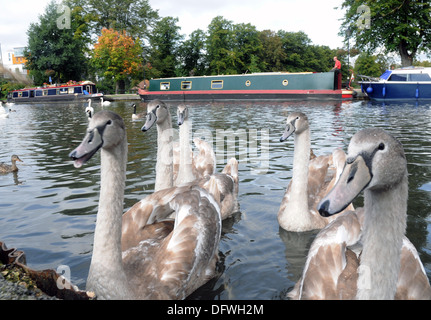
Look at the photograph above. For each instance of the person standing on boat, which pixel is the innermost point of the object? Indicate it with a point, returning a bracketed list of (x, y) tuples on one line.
[(337, 74)]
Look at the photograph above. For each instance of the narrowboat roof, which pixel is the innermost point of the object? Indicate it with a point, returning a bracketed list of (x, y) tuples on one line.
[(235, 75), (56, 86)]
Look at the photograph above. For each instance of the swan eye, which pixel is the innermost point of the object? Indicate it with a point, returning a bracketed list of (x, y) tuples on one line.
[(109, 122), (381, 146)]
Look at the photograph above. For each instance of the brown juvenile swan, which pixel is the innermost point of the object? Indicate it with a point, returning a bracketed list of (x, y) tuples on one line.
[(311, 179), (136, 255), (6, 168), (223, 186), (192, 167), (365, 254)]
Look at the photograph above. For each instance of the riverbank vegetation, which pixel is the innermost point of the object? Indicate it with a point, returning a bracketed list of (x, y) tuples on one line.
[(119, 43)]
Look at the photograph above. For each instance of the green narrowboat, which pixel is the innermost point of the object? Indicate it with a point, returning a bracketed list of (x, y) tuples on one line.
[(254, 86)]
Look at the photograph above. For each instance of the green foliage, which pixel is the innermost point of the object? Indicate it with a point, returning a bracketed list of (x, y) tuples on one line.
[(164, 49), (398, 26), (136, 17), (54, 51), (6, 86), (224, 48), (369, 65)]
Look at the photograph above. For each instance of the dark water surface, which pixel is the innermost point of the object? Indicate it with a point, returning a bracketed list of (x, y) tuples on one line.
[(48, 209)]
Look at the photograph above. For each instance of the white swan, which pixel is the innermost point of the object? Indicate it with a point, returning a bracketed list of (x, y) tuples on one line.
[(311, 179), (137, 116), (135, 255), (89, 110), (6, 168), (389, 266), (223, 186), (104, 102)]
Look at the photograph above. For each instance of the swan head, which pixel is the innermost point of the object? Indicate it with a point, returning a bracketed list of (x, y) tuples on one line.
[(182, 113), (105, 130), (296, 122), (157, 112), (375, 161)]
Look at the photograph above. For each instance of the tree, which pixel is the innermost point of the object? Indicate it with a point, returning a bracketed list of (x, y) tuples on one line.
[(56, 51), (272, 55), (191, 55), (117, 55), (399, 26), (369, 65), (164, 45), (220, 56), (136, 17), (247, 47)]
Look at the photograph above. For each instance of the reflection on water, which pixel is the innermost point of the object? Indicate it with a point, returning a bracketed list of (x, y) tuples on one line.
[(48, 208)]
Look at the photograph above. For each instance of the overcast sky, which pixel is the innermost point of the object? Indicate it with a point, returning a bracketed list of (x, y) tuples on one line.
[(318, 19)]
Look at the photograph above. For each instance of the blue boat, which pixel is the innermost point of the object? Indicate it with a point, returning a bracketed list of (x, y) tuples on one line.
[(412, 83)]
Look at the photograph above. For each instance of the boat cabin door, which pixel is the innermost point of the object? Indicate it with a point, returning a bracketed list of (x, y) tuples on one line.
[(88, 89)]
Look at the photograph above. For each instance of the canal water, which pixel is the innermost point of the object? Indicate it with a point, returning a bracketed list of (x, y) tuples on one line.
[(48, 209)]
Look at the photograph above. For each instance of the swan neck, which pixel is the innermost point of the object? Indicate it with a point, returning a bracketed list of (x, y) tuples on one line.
[(382, 237), (296, 215), (164, 164), (185, 173), (106, 262)]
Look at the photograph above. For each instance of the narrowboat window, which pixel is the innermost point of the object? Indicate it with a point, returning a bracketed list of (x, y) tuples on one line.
[(165, 85), (38, 93), (285, 82), (217, 84), (62, 91), (15, 95), (45, 92), (398, 77), (186, 85), (25, 94), (248, 83), (78, 89), (71, 90), (51, 92), (420, 77)]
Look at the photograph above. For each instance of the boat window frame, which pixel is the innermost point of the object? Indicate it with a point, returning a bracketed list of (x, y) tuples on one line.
[(186, 85), (217, 82), (165, 86)]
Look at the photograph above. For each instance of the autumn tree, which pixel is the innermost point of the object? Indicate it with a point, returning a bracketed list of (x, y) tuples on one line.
[(117, 55)]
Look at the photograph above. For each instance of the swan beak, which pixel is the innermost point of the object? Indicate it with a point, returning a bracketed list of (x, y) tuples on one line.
[(180, 118), (355, 177), (151, 119), (91, 143), (290, 129)]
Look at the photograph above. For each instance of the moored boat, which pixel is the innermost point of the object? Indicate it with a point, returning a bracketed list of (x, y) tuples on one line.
[(71, 91), (255, 86), (412, 83)]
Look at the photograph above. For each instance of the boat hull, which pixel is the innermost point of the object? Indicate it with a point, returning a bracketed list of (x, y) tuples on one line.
[(263, 86)]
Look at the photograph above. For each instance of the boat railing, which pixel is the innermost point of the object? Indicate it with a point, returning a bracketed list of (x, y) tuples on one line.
[(368, 78)]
